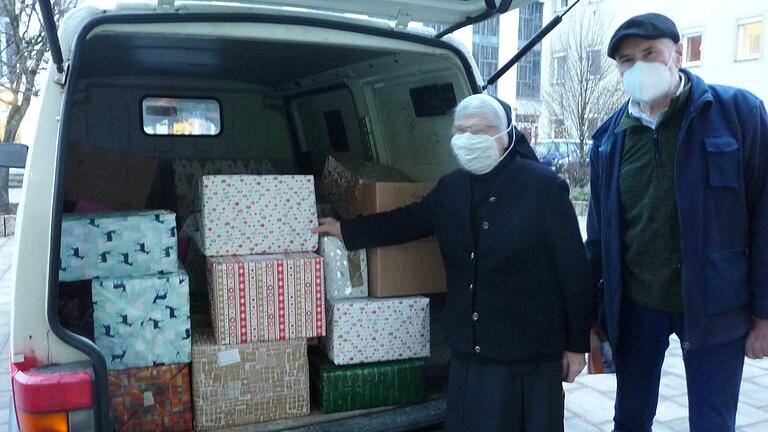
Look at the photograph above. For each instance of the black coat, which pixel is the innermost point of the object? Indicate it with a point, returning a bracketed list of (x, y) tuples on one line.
[(527, 281)]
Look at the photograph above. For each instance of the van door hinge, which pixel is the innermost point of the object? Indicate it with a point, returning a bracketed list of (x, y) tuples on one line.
[(165, 5), (402, 20), (61, 78)]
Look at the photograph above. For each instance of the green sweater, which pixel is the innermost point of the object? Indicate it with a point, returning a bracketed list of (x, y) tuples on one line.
[(650, 226)]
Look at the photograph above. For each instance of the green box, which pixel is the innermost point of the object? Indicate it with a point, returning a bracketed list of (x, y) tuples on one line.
[(372, 385)]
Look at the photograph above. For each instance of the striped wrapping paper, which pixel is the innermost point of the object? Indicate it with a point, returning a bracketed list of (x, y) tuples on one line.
[(266, 297)]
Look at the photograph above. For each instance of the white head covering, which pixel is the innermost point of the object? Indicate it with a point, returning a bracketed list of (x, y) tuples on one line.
[(487, 107)]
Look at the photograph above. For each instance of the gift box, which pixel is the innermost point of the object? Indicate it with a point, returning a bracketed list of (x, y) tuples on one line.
[(243, 215), (347, 388), (346, 272), (142, 321), (188, 172), (370, 330), (155, 398), (266, 297), (120, 244), (342, 173), (249, 383)]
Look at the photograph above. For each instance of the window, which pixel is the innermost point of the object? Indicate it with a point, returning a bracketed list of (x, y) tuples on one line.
[(559, 130), (181, 116), (529, 68), (594, 62), (485, 48), (692, 48), (561, 4), (560, 64), (750, 38), (6, 50)]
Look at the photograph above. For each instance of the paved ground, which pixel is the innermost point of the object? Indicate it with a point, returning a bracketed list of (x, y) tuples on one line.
[(589, 401)]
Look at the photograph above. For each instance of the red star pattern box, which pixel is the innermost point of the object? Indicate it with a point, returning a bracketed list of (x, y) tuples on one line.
[(368, 330), (266, 297), (152, 398), (247, 214)]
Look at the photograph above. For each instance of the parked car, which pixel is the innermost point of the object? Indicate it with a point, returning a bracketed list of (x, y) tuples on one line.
[(552, 152), (285, 81)]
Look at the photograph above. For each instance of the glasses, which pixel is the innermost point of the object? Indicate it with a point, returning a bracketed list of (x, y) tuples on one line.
[(475, 130)]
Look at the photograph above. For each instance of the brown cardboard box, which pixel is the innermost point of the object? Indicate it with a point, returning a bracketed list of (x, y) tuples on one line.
[(402, 270), (116, 179), (249, 383)]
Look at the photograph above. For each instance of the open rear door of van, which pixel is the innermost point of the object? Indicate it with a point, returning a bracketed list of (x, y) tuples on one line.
[(445, 12)]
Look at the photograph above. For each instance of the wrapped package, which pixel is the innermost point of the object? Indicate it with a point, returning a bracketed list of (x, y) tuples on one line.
[(244, 215), (157, 398), (121, 244), (249, 383), (347, 388), (369, 330), (266, 297), (188, 172), (342, 173), (346, 272), (142, 321)]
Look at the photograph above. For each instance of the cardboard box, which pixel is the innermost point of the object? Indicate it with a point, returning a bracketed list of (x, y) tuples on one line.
[(188, 172), (250, 383), (243, 215), (155, 398), (113, 178), (401, 270), (266, 297), (142, 321), (347, 388), (120, 244), (346, 273), (370, 330)]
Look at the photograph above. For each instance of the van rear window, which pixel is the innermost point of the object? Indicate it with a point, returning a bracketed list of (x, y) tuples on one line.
[(181, 116)]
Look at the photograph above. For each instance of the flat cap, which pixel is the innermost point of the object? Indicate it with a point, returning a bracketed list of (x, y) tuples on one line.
[(646, 26)]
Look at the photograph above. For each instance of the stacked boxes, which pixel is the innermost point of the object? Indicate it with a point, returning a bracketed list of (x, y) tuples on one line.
[(244, 215), (102, 245), (152, 398), (141, 321), (248, 383), (346, 388), (266, 290), (369, 330), (266, 297), (373, 345), (346, 272)]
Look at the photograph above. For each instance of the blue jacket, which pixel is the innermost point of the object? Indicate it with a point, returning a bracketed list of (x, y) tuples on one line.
[(721, 185)]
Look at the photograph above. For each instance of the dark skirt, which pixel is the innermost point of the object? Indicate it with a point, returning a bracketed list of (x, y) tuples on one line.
[(496, 397)]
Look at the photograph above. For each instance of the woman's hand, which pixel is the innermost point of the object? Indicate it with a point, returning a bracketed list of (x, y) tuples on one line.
[(573, 364), (328, 226)]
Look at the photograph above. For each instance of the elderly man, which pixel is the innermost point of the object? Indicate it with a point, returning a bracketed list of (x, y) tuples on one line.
[(678, 229)]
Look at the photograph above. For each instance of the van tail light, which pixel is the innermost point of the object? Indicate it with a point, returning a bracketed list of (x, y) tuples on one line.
[(53, 398)]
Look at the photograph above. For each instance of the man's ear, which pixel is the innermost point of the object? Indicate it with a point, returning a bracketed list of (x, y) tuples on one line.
[(679, 52)]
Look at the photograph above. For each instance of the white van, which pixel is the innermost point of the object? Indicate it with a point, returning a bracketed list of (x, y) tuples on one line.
[(263, 76)]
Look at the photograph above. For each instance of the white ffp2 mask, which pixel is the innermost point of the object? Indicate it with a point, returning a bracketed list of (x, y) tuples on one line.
[(478, 154), (648, 82)]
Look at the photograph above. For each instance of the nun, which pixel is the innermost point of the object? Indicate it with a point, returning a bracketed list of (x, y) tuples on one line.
[(517, 316)]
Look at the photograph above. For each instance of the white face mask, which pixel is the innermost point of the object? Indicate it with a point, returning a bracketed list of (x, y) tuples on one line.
[(478, 154), (648, 82)]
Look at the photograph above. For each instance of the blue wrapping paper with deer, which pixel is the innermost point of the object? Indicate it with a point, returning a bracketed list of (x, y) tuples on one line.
[(142, 321), (119, 244)]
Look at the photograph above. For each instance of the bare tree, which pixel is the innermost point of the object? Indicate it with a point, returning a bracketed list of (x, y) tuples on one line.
[(22, 57), (584, 89)]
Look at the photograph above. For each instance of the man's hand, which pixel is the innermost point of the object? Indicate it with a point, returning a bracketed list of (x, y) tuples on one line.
[(573, 364), (757, 340), (328, 226)]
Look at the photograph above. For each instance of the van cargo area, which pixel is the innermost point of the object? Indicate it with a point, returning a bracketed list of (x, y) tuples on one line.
[(262, 98)]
